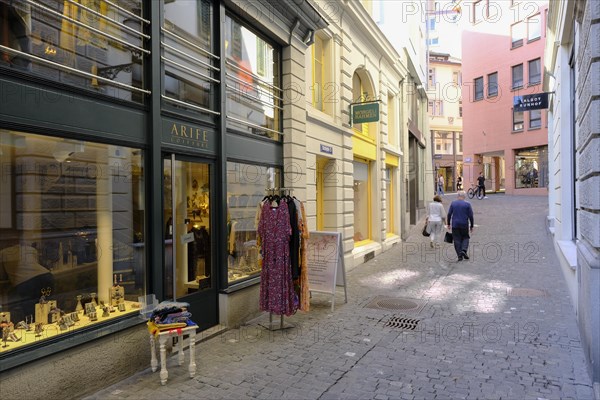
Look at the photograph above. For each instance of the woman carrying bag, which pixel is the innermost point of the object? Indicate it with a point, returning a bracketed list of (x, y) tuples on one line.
[(436, 217)]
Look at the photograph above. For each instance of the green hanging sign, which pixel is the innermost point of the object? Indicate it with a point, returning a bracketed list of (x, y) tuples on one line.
[(364, 112)]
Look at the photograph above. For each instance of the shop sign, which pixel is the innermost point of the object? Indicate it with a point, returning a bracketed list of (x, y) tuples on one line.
[(192, 137), (529, 102), (326, 149), (468, 159), (437, 156), (364, 112)]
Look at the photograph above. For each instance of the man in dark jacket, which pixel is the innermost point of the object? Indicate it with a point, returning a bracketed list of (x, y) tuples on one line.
[(460, 218)]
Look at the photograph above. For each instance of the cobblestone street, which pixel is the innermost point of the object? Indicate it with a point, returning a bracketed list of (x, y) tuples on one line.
[(498, 326)]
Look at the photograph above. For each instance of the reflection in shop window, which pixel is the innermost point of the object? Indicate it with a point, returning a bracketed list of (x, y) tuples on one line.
[(246, 188), (531, 167), (254, 95), (71, 235), (88, 43)]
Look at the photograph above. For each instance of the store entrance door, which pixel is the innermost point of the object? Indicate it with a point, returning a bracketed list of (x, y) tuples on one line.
[(189, 273)]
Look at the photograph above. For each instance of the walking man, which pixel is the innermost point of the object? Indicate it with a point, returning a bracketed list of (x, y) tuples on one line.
[(481, 184), (460, 218)]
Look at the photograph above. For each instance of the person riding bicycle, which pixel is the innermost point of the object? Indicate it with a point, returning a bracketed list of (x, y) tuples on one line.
[(481, 184)]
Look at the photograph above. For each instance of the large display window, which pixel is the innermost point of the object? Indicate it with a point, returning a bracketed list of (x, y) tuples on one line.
[(531, 167), (72, 226), (247, 185), (92, 44), (362, 203)]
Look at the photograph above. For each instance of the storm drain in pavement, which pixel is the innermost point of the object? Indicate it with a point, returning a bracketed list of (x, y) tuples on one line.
[(526, 292), (403, 323), (397, 304)]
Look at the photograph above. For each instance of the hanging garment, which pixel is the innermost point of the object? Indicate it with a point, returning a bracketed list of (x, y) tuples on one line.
[(277, 293), (304, 236), (294, 239)]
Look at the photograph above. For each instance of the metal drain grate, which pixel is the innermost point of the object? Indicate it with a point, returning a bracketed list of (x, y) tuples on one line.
[(405, 324), (526, 292), (396, 304)]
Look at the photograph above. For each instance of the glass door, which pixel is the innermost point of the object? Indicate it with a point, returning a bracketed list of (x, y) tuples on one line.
[(189, 249)]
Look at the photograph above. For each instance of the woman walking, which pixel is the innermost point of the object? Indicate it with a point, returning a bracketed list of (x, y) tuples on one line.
[(436, 219)]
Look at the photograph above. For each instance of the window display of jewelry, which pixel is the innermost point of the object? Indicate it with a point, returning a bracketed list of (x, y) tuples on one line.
[(31, 331)]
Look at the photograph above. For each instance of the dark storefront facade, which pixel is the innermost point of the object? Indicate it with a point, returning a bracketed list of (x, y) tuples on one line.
[(136, 140)]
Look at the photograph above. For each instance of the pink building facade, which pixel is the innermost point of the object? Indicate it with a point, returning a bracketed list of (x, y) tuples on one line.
[(502, 54)]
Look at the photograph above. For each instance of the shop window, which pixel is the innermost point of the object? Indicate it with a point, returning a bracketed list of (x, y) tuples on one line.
[(191, 69), (517, 121), (534, 27), (65, 42), (517, 76), (531, 167), (247, 186), (478, 88), (362, 203), (493, 84), (73, 235), (254, 94), (535, 119), (535, 75), (517, 34)]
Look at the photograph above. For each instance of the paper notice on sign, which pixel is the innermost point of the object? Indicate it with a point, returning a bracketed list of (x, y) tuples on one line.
[(326, 264), (187, 238)]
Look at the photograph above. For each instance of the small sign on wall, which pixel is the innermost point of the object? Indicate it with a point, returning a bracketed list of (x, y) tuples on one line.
[(326, 149)]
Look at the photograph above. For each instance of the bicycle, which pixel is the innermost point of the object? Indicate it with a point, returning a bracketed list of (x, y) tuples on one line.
[(475, 190)]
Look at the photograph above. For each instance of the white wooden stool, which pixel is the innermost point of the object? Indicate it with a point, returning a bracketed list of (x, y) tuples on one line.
[(190, 332)]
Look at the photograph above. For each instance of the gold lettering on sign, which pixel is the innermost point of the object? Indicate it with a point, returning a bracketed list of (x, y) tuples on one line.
[(190, 136)]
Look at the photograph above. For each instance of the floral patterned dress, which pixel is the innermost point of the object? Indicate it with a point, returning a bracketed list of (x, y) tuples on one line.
[(277, 293)]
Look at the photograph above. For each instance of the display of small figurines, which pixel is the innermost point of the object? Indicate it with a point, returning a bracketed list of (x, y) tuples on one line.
[(79, 306), (121, 307), (5, 337), (94, 301), (75, 317), (45, 293), (92, 316), (105, 312), (39, 328), (62, 324)]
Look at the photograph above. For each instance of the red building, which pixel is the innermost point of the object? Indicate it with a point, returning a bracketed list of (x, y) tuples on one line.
[(502, 55)]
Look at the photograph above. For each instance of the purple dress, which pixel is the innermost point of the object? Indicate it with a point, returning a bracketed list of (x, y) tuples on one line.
[(277, 293)]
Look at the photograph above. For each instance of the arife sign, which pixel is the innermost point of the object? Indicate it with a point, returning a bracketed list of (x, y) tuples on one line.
[(364, 112), (530, 102)]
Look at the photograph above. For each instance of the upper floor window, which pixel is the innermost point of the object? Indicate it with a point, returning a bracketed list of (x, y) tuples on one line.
[(318, 73), (322, 88), (456, 78), (479, 88), (392, 120), (254, 94), (517, 120), (534, 27), (94, 45), (492, 84), (517, 34), (535, 119), (478, 10), (517, 76), (431, 79), (535, 75), (191, 69)]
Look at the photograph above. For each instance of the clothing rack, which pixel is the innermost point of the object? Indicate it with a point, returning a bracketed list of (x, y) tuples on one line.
[(282, 325)]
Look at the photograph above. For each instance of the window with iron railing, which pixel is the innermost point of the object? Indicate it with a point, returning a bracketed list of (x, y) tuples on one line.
[(95, 45), (254, 94)]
